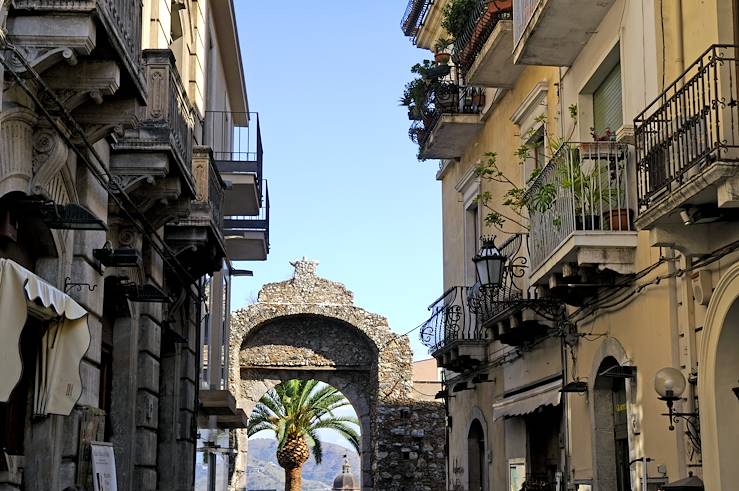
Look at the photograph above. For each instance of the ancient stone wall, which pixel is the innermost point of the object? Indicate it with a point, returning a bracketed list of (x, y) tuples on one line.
[(308, 327), (410, 452)]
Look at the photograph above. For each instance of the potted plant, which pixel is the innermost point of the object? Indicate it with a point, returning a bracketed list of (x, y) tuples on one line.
[(441, 53), (600, 143)]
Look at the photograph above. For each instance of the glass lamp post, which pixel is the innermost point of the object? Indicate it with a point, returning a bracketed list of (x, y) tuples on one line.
[(489, 264)]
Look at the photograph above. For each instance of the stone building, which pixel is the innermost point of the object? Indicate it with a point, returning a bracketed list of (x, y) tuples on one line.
[(123, 205), (308, 328), (614, 123)]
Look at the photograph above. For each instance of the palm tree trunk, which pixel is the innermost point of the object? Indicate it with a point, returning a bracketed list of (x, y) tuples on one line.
[(294, 479)]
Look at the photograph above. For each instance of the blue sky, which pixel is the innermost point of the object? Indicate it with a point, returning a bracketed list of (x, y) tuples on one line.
[(345, 186)]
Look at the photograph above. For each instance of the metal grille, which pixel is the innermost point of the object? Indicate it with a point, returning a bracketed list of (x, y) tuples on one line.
[(414, 17), (694, 122), (446, 98)]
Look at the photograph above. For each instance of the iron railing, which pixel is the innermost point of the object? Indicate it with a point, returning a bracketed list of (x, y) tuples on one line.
[(694, 122), (523, 11), (446, 98), (490, 303), (451, 320), (236, 140), (584, 188), (478, 30), (414, 17), (259, 223)]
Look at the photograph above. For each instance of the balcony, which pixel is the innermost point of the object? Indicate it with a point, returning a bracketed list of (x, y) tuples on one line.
[(414, 17), (511, 314), (222, 405), (687, 146), (583, 224), (452, 122), (452, 333), (236, 140), (198, 238), (485, 51), (247, 237), (552, 32), (120, 20)]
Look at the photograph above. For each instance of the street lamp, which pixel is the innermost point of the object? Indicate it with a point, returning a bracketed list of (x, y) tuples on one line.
[(489, 264), (670, 385)]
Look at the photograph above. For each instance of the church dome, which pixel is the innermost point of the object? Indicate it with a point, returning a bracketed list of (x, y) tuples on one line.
[(345, 480)]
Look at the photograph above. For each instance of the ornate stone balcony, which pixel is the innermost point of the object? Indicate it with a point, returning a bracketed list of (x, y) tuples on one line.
[(453, 333), (50, 30), (552, 32), (198, 238), (153, 161)]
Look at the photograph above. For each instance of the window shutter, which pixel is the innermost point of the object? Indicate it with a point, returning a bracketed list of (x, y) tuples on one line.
[(607, 103)]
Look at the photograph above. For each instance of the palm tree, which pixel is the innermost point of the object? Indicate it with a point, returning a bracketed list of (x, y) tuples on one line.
[(295, 410)]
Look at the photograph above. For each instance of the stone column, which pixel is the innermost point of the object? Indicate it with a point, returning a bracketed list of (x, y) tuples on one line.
[(16, 149), (123, 402)]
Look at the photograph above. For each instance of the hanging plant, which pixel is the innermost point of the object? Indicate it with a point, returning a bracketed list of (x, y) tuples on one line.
[(457, 14)]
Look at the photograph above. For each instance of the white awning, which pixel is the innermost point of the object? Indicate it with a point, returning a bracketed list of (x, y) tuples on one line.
[(58, 384), (529, 401)]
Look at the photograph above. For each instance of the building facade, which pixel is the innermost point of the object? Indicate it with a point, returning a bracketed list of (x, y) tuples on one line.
[(597, 141), (126, 194)]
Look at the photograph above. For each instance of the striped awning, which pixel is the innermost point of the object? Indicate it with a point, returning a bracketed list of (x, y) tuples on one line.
[(58, 384)]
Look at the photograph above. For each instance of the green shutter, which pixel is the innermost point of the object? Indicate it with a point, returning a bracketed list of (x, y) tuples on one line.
[(607, 104)]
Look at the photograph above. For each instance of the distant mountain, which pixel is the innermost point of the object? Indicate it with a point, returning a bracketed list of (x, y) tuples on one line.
[(263, 472)]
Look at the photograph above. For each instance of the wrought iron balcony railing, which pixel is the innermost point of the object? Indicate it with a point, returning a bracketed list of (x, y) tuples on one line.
[(446, 98), (523, 11), (236, 140), (451, 320), (694, 122), (258, 223), (414, 17), (584, 188), (478, 30)]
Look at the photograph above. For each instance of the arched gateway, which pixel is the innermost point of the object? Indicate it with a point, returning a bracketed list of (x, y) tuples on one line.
[(309, 328)]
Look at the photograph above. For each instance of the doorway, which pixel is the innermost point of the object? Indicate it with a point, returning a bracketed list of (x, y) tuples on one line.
[(476, 457)]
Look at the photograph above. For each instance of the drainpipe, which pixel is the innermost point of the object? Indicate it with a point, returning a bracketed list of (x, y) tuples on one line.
[(675, 347), (565, 417), (676, 12)]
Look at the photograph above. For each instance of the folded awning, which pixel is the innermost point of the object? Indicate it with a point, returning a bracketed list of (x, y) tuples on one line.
[(58, 384), (529, 401)]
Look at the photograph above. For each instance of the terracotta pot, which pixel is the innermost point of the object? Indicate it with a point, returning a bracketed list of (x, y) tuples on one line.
[(619, 220), (442, 58)]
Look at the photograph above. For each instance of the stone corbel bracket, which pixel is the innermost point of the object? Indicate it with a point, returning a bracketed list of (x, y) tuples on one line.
[(46, 40)]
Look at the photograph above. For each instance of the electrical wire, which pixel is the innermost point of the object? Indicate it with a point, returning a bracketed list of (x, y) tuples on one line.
[(119, 196)]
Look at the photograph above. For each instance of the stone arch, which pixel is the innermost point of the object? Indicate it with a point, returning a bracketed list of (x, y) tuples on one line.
[(719, 408), (309, 327), (610, 353)]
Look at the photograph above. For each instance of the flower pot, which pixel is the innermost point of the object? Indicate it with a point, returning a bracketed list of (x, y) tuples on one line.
[(587, 222), (619, 219), (442, 58)]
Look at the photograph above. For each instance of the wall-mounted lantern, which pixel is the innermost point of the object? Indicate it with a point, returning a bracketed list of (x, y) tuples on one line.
[(670, 384), (489, 264)]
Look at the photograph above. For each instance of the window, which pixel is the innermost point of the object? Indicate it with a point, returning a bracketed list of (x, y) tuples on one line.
[(607, 103)]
